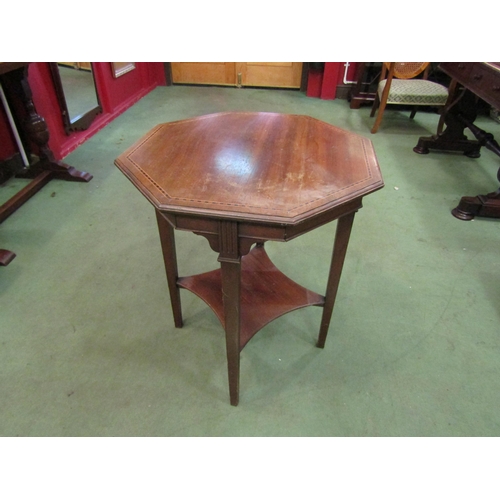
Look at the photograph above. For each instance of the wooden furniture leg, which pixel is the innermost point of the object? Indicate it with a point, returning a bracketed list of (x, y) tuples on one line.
[(342, 234), (481, 205), (381, 102), (231, 293), (6, 257), (230, 261), (167, 239), (22, 196), (461, 103), (35, 130), (32, 131), (380, 114)]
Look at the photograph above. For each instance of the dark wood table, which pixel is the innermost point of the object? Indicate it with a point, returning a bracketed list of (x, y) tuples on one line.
[(239, 180), (470, 81)]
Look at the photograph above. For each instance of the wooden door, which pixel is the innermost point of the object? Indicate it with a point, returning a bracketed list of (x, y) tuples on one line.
[(247, 74), (270, 74), (208, 73)]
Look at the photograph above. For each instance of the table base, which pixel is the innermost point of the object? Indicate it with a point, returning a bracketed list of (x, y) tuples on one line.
[(249, 291)]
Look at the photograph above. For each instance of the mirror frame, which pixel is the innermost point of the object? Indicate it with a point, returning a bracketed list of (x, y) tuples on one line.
[(83, 121), (120, 68)]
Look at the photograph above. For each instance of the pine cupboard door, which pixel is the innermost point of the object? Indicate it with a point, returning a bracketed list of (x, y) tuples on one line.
[(208, 73), (246, 74), (77, 65), (269, 74)]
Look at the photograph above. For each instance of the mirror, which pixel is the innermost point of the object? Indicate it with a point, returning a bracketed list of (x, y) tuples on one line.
[(77, 94)]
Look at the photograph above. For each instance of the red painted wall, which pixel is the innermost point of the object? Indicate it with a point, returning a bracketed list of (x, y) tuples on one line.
[(116, 95)]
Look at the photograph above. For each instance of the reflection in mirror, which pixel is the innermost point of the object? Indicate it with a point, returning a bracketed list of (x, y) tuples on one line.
[(120, 68), (77, 94)]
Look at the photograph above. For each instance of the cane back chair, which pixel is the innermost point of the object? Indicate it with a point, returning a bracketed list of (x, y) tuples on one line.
[(398, 85)]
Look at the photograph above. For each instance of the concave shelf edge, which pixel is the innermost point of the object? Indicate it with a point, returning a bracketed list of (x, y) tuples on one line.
[(266, 293)]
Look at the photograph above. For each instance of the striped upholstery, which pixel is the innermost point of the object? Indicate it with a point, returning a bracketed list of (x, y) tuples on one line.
[(415, 91)]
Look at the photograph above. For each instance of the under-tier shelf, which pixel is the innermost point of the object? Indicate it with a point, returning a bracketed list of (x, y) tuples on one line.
[(266, 293)]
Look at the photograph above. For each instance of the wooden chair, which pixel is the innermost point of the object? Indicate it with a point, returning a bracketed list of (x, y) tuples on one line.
[(398, 85)]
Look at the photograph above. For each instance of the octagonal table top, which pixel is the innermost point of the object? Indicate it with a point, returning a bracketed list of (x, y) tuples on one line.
[(252, 166)]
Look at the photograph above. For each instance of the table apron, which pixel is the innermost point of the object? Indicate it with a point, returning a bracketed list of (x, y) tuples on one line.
[(252, 232)]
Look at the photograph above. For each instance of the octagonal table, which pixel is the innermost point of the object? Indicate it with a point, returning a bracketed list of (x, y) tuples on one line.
[(241, 179)]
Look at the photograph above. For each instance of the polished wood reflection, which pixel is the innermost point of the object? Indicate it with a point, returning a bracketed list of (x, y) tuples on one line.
[(262, 165)]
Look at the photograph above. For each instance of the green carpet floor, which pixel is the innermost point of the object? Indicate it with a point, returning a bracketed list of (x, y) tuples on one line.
[(87, 342)]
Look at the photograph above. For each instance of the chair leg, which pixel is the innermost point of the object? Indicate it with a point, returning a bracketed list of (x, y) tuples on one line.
[(378, 120)]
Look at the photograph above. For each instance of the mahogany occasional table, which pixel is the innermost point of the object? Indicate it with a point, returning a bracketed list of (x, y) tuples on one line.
[(240, 179)]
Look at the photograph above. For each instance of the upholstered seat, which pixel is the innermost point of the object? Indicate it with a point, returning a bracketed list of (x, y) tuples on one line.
[(417, 92), (398, 86)]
